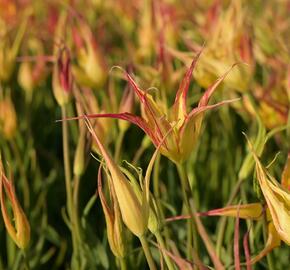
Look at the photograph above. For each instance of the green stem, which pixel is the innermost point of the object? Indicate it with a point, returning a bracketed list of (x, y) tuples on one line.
[(156, 171), (75, 207), (147, 253), (123, 263), (67, 169), (67, 172), (188, 196), (161, 243), (119, 145), (25, 260), (186, 193)]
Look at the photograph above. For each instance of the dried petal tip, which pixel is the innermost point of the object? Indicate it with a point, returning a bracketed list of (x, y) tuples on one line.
[(19, 228)]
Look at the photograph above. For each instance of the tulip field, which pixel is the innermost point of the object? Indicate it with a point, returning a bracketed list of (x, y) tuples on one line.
[(145, 134)]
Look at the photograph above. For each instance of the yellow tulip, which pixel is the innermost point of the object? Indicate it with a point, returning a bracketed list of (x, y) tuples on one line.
[(156, 123)]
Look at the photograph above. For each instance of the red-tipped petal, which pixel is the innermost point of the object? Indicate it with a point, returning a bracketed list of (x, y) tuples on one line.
[(246, 211), (135, 87), (134, 119), (180, 98)]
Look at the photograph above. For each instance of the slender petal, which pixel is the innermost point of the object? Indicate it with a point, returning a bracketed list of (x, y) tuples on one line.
[(208, 93), (179, 106), (246, 211)]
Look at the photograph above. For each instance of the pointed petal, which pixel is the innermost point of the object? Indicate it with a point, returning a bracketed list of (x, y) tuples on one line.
[(134, 119), (286, 174), (246, 211), (155, 117), (273, 241), (179, 106), (277, 198), (208, 93), (189, 131)]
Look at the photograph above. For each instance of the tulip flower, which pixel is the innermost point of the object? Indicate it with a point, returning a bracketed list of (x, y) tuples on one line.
[(277, 197), (18, 229), (156, 123)]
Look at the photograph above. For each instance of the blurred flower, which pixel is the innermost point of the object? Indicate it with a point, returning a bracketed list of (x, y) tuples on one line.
[(88, 103), (31, 73), (90, 67), (227, 39), (156, 122), (61, 77), (8, 118), (18, 227), (8, 52)]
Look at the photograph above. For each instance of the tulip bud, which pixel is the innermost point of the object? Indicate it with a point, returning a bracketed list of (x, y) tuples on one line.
[(131, 209), (62, 79), (135, 212), (19, 228), (153, 221), (8, 118), (115, 230)]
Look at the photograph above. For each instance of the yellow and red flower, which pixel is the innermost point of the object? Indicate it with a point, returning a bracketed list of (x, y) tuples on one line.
[(156, 122)]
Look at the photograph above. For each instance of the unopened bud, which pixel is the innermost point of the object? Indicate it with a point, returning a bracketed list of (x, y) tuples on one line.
[(19, 228), (8, 118), (115, 229), (62, 79)]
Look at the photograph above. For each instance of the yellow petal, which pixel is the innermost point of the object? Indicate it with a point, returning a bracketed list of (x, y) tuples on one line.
[(278, 201), (286, 174)]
